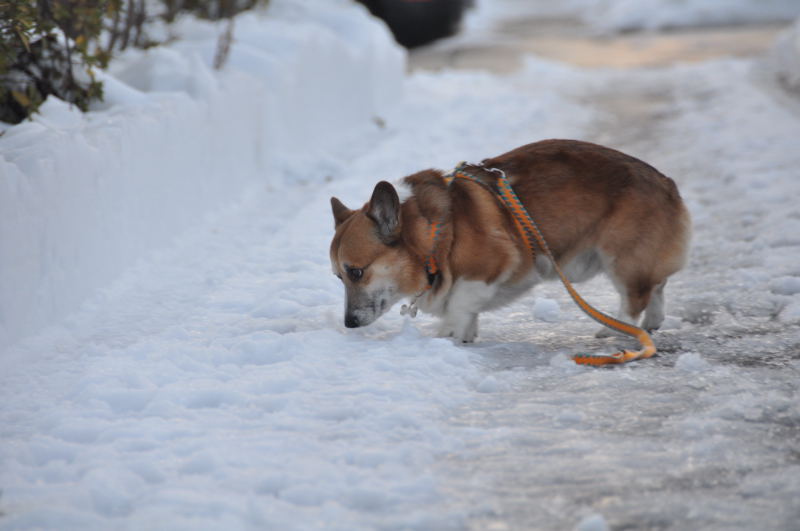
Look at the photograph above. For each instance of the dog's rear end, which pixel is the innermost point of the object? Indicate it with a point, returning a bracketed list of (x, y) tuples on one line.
[(599, 208)]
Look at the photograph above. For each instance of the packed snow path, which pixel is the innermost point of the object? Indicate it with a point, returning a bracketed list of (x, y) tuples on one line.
[(214, 386), (706, 436)]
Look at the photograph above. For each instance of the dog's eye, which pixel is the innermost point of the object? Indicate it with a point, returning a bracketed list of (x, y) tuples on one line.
[(355, 273)]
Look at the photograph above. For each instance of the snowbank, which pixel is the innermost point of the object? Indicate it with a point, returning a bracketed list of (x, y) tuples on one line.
[(82, 197)]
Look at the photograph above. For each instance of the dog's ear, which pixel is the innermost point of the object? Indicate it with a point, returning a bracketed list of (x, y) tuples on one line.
[(384, 210), (340, 212)]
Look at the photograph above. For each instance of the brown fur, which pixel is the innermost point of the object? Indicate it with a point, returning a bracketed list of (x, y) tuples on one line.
[(585, 198), (584, 195)]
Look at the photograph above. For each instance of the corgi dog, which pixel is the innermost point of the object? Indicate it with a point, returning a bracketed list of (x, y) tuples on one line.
[(454, 249)]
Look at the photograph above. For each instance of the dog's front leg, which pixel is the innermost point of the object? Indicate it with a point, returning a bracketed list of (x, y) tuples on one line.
[(461, 326), (467, 299)]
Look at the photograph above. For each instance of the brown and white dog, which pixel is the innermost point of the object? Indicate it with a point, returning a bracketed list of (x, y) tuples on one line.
[(598, 209)]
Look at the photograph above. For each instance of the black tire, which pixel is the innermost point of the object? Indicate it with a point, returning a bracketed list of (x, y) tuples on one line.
[(418, 22)]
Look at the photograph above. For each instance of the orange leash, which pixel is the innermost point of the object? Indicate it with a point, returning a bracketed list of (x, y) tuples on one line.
[(530, 233)]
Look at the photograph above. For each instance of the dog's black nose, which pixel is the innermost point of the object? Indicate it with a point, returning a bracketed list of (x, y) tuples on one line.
[(351, 321)]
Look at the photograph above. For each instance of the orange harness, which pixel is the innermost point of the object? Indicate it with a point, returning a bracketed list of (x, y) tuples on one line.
[(532, 235)]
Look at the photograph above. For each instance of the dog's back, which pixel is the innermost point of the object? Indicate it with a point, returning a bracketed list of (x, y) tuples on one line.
[(587, 197)]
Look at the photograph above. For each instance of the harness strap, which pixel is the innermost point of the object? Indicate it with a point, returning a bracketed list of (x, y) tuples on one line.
[(431, 266), (530, 232)]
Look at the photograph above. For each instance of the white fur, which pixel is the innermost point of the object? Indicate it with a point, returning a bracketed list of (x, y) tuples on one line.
[(460, 306), (467, 298), (404, 191), (654, 313)]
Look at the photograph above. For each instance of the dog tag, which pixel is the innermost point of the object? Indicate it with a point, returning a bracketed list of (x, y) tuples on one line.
[(409, 309)]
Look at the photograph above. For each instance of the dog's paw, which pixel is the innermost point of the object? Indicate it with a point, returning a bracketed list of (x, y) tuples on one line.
[(652, 325), (471, 331), (461, 337), (464, 332), (467, 338)]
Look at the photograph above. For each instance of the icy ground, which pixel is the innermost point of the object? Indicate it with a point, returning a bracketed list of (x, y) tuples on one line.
[(707, 436), (215, 387)]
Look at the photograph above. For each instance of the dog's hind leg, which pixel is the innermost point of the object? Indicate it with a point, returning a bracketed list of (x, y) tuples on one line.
[(623, 314), (654, 312), (634, 297)]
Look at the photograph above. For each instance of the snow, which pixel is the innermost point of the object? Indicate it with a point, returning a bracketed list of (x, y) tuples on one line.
[(785, 285), (210, 383), (595, 522), (631, 15), (691, 362), (791, 312), (96, 192), (784, 59), (546, 310), (622, 15)]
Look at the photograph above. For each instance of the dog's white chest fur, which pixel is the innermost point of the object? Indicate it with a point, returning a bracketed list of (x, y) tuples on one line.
[(460, 306)]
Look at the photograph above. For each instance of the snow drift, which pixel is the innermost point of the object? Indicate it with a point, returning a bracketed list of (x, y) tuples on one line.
[(82, 197)]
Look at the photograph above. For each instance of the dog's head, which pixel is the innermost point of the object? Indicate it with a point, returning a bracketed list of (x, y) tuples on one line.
[(369, 255)]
